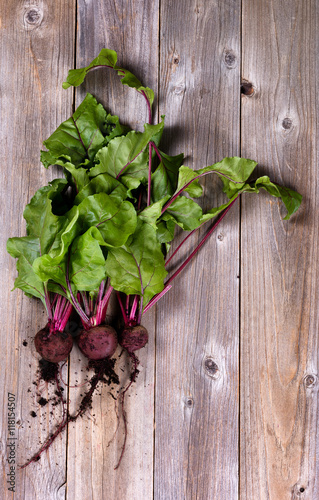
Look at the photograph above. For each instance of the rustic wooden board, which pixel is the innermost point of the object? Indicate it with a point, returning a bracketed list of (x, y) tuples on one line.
[(197, 370), (94, 444), (279, 331), (33, 62), (183, 412)]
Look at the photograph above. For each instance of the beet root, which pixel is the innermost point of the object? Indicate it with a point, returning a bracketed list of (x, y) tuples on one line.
[(134, 338), (104, 372), (53, 347), (99, 342)]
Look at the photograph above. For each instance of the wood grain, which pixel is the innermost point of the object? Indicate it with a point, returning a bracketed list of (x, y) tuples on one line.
[(183, 411), (279, 354), (33, 63), (197, 337), (130, 28)]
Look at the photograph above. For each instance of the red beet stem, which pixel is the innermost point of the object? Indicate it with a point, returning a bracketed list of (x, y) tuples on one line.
[(122, 307)]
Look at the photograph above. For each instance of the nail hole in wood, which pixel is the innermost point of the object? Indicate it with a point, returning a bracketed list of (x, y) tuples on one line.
[(302, 490), (176, 60), (247, 88), (211, 368), (220, 237)]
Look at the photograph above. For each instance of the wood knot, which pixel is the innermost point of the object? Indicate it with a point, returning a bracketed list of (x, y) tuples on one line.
[(211, 368), (310, 381), (189, 402), (247, 88), (32, 17), (220, 237), (230, 59), (286, 123), (179, 89)]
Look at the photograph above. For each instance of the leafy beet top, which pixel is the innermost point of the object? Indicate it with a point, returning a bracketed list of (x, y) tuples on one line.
[(113, 217)]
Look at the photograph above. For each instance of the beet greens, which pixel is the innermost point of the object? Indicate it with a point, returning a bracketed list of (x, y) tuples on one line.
[(110, 222)]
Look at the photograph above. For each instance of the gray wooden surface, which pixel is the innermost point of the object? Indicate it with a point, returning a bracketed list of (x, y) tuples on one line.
[(279, 312), (226, 404)]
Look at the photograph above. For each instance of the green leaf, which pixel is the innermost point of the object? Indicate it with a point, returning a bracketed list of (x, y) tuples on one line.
[(138, 267), (54, 233), (234, 172), (80, 137), (42, 223), (153, 212), (164, 179), (26, 250), (46, 268), (87, 262), (103, 183), (107, 58), (158, 132), (166, 229), (69, 227), (195, 190), (78, 175), (115, 220), (48, 159), (53, 269), (113, 128), (55, 288), (125, 158), (216, 210), (186, 213), (46, 233), (39, 207), (290, 198)]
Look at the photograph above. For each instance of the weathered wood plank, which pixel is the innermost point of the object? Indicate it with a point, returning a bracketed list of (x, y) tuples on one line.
[(196, 455), (196, 414), (33, 62), (95, 443), (279, 355)]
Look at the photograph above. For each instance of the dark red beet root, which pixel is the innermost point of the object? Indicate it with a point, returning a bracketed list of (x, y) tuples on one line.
[(134, 338), (99, 342), (54, 347)]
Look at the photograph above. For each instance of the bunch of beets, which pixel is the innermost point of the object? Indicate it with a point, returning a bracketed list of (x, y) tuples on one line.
[(107, 227)]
